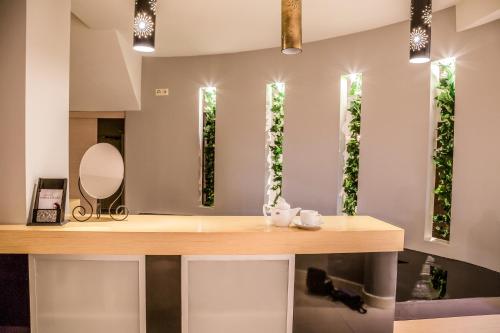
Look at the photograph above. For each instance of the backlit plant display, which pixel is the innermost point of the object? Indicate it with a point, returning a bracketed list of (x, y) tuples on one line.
[(443, 151), (351, 130), (275, 121), (209, 108)]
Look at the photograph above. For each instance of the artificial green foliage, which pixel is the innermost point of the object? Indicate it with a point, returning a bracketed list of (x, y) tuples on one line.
[(443, 153), (351, 168), (276, 141), (439, 281), (209, 110)]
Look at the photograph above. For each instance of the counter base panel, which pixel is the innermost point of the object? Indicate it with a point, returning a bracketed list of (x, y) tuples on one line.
[(67, 288)]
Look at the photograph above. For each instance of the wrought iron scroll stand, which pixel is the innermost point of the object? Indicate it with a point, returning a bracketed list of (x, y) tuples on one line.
[(79, 213)]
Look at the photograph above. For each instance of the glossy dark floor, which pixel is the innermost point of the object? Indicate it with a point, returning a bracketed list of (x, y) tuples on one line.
[(430, 286), (463, 280)]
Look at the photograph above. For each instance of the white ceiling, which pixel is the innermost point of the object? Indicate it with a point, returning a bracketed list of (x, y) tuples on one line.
[(196, 27)]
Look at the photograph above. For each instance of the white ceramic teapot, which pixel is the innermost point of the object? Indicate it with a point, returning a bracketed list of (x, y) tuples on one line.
[(281, 214)]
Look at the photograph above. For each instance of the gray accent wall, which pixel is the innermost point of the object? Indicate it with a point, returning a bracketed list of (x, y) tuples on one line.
[(162, 145), (12, 110)]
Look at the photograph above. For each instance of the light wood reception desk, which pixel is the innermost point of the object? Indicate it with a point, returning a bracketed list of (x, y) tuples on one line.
[(202, 235), (204, 274)]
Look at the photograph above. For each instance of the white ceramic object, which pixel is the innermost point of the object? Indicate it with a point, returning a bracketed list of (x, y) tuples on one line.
[(300, 225), (281, 214), (310, 217), (101, 170)]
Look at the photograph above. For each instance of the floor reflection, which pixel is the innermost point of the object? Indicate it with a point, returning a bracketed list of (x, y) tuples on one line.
[(319, 314)]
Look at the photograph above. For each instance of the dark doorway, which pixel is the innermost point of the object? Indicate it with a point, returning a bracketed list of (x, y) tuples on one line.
[(112, 131), (14, 293)]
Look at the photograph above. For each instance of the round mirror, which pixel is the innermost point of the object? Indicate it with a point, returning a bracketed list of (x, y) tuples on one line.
[(101, 170)]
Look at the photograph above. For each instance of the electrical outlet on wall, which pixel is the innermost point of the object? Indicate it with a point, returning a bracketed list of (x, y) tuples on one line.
[(161, 92)]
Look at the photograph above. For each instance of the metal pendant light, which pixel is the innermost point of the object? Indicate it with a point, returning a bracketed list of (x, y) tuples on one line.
[(144, 25), (291, 26), (420, 31)]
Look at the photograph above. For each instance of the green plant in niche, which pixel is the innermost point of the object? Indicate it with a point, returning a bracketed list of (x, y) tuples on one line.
[(443, 153), (275, 142), (208, 160), (351, 166)]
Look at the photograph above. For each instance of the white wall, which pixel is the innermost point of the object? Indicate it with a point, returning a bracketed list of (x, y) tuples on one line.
[(47, 90), (394, 156), (105, 70), (35, 74), (133, 62), (473, 13), (162, 140)]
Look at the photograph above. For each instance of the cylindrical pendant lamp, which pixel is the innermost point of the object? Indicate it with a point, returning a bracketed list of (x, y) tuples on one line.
[(291, 26), (144, 25), (420, 31)]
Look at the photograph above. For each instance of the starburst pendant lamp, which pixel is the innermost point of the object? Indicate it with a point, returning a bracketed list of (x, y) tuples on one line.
[(420, 31), (144, 25), (291, 26)]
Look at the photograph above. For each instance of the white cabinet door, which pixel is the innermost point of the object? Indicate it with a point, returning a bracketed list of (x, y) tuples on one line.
[(244, 294), (82, 294)]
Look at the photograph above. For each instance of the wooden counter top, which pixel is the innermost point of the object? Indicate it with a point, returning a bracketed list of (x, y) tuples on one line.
[(189, 235)]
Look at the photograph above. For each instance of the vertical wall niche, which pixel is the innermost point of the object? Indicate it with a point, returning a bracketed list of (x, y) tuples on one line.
[(350, 129), (442, 128), (208, 108), (275, 119)]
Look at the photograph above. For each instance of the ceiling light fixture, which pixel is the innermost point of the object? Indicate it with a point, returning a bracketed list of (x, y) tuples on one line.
[(420, 31), (291, 26), (144, 25)]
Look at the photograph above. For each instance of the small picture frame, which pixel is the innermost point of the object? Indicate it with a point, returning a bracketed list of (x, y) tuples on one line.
[(48, 203)]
